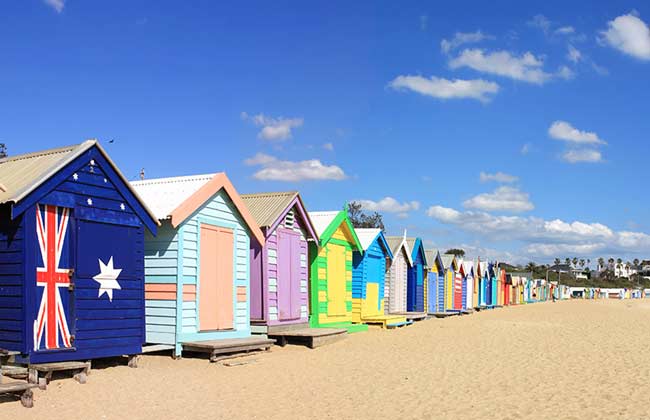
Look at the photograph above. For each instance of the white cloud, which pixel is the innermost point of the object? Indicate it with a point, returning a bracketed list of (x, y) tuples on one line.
[(541, 22), (440, 88), (424, 22), (565, 73), (328, 146), (526, 148), (498, 177), (599, 69), (389, 205), (573, 54), (274, 129), (629, 34), (565, 30), (274, 169), (582, 155), (562, 130), (461, 38), (545, 237), (526, 67), (503, 198), (57, 5)]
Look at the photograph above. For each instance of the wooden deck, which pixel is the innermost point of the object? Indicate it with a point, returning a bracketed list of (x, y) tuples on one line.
[(224, 349), (311, 337), (80, 370), (412, 316), (387, 321), (443, 314), (19, 389)]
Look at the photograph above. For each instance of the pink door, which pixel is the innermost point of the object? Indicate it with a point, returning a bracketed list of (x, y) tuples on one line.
[(288, 260), (216, 280)]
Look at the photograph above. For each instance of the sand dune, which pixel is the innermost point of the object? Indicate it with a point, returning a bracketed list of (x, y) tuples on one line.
[(564, 360)]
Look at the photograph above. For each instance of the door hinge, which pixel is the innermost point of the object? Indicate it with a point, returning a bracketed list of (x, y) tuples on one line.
[(70, 276), (72, 339)]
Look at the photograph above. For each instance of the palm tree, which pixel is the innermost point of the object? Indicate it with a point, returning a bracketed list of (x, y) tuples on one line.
[(588, 262), (575, 262), (567, 260), (610, 263), (531, 266), (582, 263), (636, 261), (556, 261), (601, 263)]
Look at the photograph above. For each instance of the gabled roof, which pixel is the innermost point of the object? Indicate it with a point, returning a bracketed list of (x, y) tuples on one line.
[(434, 255), (396, 243), (268, 209), (326, 223), (368, 235), (416, 245), (21, 175), (448, 260), (177, 198), (468, 267)]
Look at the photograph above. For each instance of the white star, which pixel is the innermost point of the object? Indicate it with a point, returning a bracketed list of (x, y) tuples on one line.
[(105, 180), (89, 201), (92, 162), (122, 206), (107, 279), (75, 177)]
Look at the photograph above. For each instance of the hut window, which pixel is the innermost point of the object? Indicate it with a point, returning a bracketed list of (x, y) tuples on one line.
[(289, 220)]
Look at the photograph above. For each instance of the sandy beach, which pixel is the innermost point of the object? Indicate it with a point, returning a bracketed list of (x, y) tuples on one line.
[(565, 360)]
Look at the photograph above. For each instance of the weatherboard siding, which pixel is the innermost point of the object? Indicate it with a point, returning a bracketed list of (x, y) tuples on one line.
[(12, 314)]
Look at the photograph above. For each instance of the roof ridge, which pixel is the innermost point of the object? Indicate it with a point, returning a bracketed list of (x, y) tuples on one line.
[(174, 179), (272, 193), (31, 155)]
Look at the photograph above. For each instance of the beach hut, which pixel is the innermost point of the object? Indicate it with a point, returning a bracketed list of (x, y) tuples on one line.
[(369, 266), (330, 278), (415, 296), (71, 255), (476, 288), (451, 267), (197, 270), (279, 290), (435, 282), (493, 290), (397, 276), (468, 268)]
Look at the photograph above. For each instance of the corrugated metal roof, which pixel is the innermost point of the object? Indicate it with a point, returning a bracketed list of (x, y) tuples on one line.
[(164, 195), (266, 208), (394, 243), (367, 236), (322, 219), (430, 255), (468, 266), (22, 174)]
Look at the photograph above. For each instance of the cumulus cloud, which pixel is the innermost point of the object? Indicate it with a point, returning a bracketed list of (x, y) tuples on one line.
[(441, 88), (274, 169), (582, 155), (460, 38), (57, 5), (503, 198), (274, 129), (544, 237), (541, 22), (498, 177), (526, 67), (562, 130), (573, 54), (629, 34), (390, 205), (565, 30)]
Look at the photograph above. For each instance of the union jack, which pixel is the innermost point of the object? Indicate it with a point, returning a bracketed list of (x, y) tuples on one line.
[(51, 228)]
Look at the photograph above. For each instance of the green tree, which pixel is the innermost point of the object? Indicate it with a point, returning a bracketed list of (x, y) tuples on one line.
[(361, 219), (556, 261), (601, 263), (567, 261), (456, 251)]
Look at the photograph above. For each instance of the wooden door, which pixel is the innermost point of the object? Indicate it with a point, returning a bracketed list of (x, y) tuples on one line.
[(216, 280), (288, 274), (432, 290), (336, 280), (374, 266)]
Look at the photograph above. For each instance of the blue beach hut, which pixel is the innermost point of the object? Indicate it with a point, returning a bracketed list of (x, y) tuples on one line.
[(415, 278), (71, 256)]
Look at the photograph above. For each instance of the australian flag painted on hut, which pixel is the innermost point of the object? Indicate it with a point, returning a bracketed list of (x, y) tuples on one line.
[(71, 256)]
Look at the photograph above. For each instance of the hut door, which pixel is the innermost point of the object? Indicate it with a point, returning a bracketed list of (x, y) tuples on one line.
[(336, 280), (372, 304), (216, 280), (431, 291), (54, 322), (288, 260)]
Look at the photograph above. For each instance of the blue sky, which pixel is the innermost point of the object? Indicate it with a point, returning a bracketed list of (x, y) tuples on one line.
[(404, 106)]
